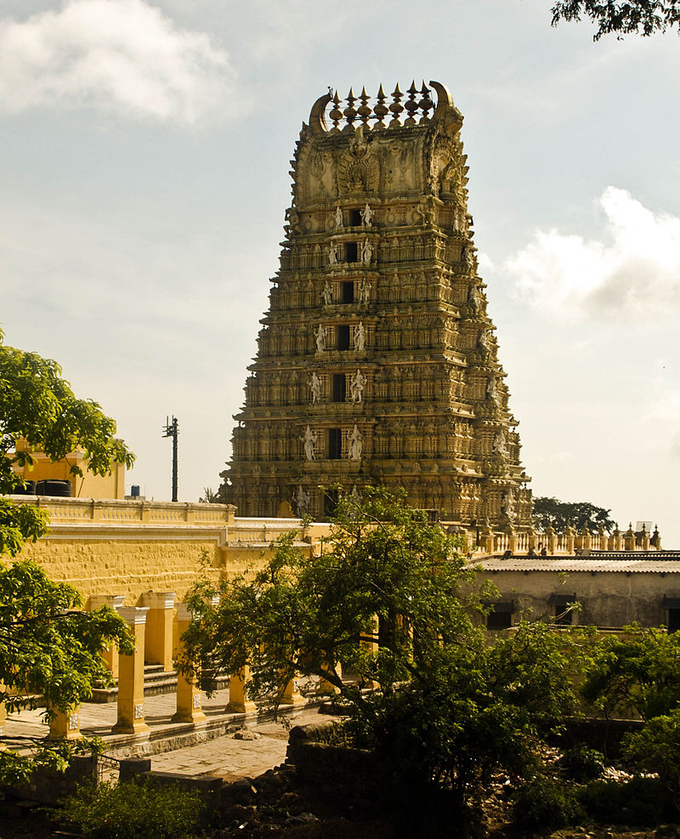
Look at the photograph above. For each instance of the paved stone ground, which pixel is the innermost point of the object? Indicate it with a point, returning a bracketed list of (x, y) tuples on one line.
[(225, 756), (231, 758)]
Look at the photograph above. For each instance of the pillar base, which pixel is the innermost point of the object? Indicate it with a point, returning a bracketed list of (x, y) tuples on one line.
[(247, 707), (134, 728), (195, 717)]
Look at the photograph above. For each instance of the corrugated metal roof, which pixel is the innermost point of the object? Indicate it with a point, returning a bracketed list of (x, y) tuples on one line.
[(583, 564)]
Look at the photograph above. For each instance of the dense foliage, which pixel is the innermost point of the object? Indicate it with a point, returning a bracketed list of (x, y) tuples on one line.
[(550, 512), (620, 17), (49, 646)]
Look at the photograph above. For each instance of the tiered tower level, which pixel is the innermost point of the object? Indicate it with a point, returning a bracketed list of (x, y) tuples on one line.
[(377, 361)]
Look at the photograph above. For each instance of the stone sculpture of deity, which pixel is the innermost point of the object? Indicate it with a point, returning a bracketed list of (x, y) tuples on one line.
[(327, 293), (320, 336), (366, 251), (315, 387), (309, 439), (499, 443), (360, 337), (333, 253), (365, 291), (338, 218), (356, 387), (301, 499), (367, 215), (356, 443)]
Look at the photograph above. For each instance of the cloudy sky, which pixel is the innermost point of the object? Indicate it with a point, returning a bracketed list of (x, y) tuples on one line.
[(144, 177)]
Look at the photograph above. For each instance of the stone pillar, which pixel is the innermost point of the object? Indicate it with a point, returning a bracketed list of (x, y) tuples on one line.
[(324, 687), (239, 701), (159, 627), (131, 676), (569, 534), (645, 538), (487, 540), (551, 539), (291, 695), (115, 601), (65, 726), (629, 539), (188, 694)]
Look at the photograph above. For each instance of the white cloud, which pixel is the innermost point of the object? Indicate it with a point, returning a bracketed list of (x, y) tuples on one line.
[(120, 56), (634, 274)]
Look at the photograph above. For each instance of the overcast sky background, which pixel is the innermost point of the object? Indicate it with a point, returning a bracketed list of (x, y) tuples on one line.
[(144, 175)]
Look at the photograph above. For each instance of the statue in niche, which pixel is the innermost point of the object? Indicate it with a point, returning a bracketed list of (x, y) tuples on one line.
[(492, 390), (333, 253), (338, 218), (356, 443), (366, 215), (327, 293), (499, 443), (309, 439), (360, 337), (475, 298), (356, 388), (315, 387), (485, 339), (508, 503), (320, 335), (365, 291), (301, 499), (366, 251)]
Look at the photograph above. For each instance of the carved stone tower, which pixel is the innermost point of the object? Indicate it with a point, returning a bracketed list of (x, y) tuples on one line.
[(377, 361)]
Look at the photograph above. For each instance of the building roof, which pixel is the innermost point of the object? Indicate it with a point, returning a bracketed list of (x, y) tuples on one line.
[(667, 563)]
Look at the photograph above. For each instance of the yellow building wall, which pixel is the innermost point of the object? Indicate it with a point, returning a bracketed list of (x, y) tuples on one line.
[(88, 486)]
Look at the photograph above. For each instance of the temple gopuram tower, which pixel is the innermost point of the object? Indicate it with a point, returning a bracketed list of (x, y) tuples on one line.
[(377, 361)]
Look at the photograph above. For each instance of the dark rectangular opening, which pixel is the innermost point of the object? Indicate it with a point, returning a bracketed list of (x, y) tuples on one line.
[(334, 443), (351, 252), (499, 620), (355, 218), (330, 501), (348, 292), (343, 337), (674, 620), (339, 387)]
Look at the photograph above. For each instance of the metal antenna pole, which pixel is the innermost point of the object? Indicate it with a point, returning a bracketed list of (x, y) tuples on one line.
[(172, 430)]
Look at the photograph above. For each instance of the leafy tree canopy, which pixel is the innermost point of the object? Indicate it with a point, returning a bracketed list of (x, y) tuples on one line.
[(38, 405), (577, 514), (49, 647), (390, 599), (641, 17)]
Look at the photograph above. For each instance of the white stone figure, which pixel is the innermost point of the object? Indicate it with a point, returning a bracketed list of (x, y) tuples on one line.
[(327, 293), (338, 218), (356, 388), (315, 387), (360, 337), (365, 291), (320, 336), (333, 254), (309, 439), (367, 215), (301, 499), (475, 298), (508, 503), (366, 251), (356, 443), (499, 443), (485, 339), (492, 390)]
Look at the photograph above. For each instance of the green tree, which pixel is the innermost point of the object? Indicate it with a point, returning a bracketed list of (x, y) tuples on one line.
[(49, 647), (578, 514), (391, 600), (641, 17)]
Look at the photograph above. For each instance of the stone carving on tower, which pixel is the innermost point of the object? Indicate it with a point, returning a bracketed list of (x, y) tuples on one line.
[(377, 361)]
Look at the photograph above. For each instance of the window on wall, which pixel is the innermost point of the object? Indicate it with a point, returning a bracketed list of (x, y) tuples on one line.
[(334, 443), (348, 292), (562, 614), (355, 218), (672, 607), (500, 616), (339, 387), (351, 252), (343, 336), (330, 501)]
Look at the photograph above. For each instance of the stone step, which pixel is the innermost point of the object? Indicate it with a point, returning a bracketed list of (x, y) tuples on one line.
[(156, 682)]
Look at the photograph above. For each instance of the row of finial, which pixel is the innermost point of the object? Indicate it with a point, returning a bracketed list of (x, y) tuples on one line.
[(379, 111)]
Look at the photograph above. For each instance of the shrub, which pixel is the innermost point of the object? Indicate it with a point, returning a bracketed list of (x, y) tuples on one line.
[(545, 802), (640, 802), (656, 748), (582, 763), (134, 810)]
